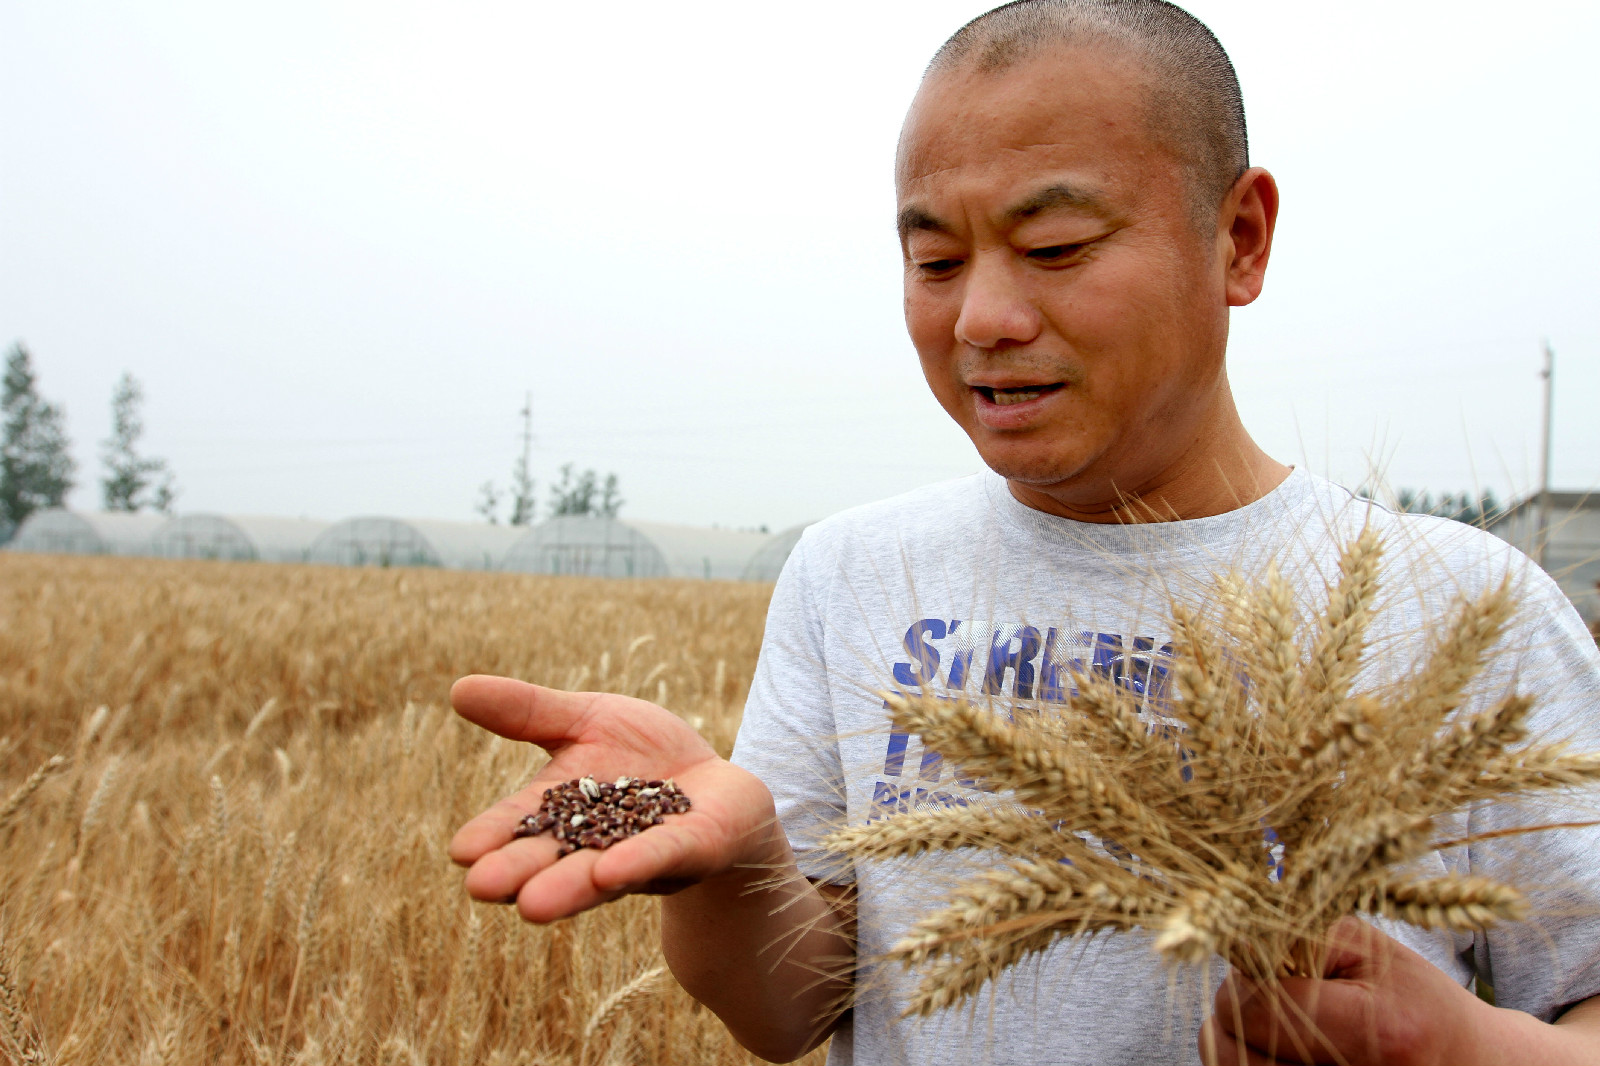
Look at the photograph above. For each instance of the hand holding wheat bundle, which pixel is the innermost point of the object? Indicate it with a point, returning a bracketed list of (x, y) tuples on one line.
[(1119, 826)]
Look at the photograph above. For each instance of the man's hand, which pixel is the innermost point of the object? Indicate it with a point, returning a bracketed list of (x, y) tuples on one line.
[(1381, 1003), (744, 894), (606, 736)]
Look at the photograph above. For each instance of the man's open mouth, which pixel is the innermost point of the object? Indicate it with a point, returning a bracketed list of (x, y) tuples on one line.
[(1020, 394)]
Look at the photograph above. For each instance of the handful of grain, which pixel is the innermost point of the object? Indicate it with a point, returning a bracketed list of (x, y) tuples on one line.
[(585, 813), (1118, 826)]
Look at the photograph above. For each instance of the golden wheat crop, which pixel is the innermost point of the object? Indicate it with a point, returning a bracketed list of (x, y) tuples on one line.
[(226, 790)]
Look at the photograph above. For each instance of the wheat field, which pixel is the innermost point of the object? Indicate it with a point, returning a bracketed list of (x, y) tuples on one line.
[(227, 790)]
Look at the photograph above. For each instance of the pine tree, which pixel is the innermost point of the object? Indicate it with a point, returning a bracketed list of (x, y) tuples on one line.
[(36, 466), (131, 480)]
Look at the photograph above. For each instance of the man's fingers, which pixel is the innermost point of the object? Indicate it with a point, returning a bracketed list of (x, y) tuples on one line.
[(1358, 950), (517, 710), (501, 873), (1295, 1021), (1219, 1048), (497, 826), (563, 889), (670, 852), (490, 830), (522, 868)]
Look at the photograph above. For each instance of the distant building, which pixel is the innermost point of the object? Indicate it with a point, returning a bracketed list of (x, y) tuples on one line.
[(767, 563), (593, 546), (1572, 554), (413, 542), (253, 538), (87, 532)]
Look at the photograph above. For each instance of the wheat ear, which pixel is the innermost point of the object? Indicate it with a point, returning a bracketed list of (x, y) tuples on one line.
[(1036, 769), (621, 999), (1465, 904), (23, 792), (1004, 915), (915, 832), (18, 1026)]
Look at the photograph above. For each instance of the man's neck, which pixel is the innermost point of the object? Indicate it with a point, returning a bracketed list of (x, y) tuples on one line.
[(1209, 480)]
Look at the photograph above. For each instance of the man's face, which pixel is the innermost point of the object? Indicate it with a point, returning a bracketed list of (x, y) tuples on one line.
[(1068, 313)]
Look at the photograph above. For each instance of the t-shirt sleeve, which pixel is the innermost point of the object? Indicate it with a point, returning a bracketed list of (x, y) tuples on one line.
[(788, 737), (1552, 960)]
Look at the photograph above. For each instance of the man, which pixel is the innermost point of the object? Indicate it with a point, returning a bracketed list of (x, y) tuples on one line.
[(1077, 216)]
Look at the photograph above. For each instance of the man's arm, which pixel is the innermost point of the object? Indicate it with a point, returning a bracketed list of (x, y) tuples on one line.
[(769, 952), (1382, 1003)]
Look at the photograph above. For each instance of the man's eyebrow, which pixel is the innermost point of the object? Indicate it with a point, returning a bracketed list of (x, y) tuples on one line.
[(1054, 198), (1050, 198), (915, 218)]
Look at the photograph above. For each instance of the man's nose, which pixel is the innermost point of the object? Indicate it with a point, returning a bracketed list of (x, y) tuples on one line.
[(995, 308)]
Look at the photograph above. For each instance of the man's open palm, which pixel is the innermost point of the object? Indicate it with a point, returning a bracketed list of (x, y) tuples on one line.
[(607, 737)]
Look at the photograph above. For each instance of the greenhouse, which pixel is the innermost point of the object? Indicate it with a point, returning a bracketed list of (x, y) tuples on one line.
[(414, 542), (592, 546), (767, 564), (1572, 543), (239, 537), (87, 532)]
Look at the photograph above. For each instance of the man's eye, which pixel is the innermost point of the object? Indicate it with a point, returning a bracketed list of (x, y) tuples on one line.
[(938, 266), (1054, 252)]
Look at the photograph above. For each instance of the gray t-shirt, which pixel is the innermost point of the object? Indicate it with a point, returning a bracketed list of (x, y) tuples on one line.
[(960, 584)]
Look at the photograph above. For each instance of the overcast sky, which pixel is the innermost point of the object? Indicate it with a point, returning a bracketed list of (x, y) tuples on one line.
[(338, 242)]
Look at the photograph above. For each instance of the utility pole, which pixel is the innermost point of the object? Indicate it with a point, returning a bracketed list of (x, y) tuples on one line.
[(1543, 534), (521, 479), (527, 426)]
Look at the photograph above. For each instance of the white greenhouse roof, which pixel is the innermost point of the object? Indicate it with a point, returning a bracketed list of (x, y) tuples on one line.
[(248, 537), (767, 564), (87, 532), (376, 541), (617, 547)]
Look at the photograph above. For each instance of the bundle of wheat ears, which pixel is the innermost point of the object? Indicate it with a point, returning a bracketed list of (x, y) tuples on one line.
[(1117, 826)]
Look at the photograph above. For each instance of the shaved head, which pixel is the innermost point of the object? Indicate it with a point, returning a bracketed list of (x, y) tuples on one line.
[(1194, 105)]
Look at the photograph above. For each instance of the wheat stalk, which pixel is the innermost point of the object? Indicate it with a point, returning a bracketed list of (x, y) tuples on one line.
[(1271, 721), (260, 718), (19, 1028), (23, 792), (94, 810), (308, 940), (619, 1000)]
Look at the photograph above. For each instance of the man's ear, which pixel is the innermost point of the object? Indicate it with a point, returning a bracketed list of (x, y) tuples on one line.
[(1248, 216)]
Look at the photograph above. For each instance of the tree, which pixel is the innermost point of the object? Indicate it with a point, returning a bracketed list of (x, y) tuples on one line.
[(573, 494), (521, 492), (610, 498), (132, 482), (165, 495), (1477, 510), (488, 504), (36, 465), (521, 480), (583, 493)]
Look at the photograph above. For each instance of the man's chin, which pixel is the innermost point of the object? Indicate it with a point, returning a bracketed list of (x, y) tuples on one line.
[(1039, 472)]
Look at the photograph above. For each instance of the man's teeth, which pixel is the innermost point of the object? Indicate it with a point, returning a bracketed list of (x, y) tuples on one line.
[(1010, 396)]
